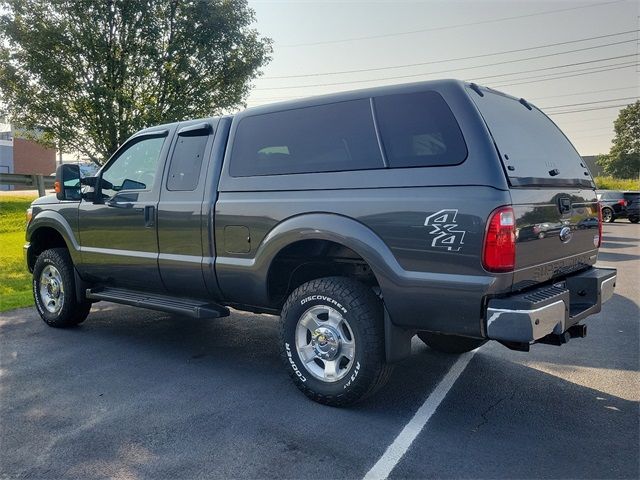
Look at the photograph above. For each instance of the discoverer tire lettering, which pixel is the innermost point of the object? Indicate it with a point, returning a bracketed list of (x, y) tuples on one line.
[(365, 371), (323, 298)]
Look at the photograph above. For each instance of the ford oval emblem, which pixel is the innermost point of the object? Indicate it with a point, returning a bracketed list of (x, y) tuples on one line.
[(565, 234)]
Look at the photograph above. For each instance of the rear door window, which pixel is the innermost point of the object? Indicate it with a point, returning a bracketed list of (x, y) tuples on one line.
[(325, 138), (186, 161), (419, 130), (533, 150)]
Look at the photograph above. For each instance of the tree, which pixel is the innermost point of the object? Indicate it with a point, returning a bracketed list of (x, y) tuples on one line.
[(623, 160), (89, 73)]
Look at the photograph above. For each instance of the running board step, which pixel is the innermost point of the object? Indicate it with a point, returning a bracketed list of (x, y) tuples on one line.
[(164, 303)]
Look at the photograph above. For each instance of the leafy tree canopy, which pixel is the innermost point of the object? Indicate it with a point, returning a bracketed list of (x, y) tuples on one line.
[(89, 73), (623, 161)]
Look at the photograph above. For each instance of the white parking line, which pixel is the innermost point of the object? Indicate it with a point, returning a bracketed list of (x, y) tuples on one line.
[(403, 441)]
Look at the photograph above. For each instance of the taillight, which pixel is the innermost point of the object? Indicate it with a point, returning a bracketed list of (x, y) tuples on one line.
[(499, 251), (598, 241)]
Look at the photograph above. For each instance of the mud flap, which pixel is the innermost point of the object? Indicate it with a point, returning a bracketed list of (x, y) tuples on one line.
[(397, 341)]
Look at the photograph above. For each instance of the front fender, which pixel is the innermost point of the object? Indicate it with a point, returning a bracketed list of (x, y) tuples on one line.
[(56, 221)]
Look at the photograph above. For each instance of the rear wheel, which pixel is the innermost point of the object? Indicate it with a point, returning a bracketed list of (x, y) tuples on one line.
[(450, 343), (607, 215), (54, 290), (634, 219), (332, 340)]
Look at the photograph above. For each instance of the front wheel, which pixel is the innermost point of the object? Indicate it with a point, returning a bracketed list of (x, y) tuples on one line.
[(450, 343), (607, 215), (54, 290), (332, 340)]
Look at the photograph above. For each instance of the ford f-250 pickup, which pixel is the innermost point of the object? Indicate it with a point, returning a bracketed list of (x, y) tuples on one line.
[(361, 218)]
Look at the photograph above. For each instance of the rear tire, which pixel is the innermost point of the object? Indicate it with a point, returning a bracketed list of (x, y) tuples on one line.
[(607, 215), (332, 340), (450, 343), (634, 219), (54, 290)]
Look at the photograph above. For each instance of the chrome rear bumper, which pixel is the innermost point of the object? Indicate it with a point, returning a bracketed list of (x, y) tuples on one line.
[(532, 315)]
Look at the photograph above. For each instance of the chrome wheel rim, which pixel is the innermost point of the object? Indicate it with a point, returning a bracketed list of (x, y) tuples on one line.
[(606, 215), (51, 289), (325, 343)]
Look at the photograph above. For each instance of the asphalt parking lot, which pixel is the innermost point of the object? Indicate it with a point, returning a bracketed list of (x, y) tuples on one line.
[(141, 394)]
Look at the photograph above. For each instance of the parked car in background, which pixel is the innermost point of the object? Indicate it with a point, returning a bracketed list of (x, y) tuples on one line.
[(633, 206), (590, 222), (538, 230), (615, 204)]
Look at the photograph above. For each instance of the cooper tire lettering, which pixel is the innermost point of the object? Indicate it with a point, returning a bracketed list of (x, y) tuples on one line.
[(293, 364)]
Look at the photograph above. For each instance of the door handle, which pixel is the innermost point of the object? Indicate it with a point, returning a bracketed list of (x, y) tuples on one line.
[(149, 216), (113, 204), (123, 200)]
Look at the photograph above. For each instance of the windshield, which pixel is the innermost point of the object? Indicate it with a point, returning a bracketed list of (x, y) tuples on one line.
[(532, 148)]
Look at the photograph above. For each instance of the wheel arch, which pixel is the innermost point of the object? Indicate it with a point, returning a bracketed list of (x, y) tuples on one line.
[(251, 276), (47, 230), (307, 259), (357, 241)]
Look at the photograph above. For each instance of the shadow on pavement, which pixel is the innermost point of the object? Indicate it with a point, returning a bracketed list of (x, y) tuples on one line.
[(135, 393), (607, 238), (138, 393), (614, 245), (504, 420), (615, 257)]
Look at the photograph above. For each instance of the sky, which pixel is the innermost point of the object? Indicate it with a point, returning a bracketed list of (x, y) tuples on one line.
[(586, 53)]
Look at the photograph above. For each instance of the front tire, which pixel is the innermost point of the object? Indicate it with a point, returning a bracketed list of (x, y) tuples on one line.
[(607, 215), (332, 340), (54, 290), (450, 343)]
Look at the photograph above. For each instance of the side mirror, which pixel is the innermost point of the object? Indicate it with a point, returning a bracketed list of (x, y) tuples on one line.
[(67, 184), (89, 181)]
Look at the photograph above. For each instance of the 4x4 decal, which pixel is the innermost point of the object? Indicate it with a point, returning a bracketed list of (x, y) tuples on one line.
[(444, 230)]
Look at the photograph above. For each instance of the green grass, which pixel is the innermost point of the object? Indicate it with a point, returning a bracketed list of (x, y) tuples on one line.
[(610, 183), (15, 280)]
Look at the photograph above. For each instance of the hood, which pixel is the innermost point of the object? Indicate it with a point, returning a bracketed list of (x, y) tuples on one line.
[(47, 199)]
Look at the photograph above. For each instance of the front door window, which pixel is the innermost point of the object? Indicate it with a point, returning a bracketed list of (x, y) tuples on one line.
[(134, 169)]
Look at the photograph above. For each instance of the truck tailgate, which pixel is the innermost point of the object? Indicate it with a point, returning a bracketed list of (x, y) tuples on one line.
[(556, 233)]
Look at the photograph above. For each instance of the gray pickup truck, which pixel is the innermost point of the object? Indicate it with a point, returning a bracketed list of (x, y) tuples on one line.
[(442, 209)]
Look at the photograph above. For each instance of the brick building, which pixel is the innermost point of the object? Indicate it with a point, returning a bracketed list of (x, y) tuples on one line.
[(31, 157), (20, 155)]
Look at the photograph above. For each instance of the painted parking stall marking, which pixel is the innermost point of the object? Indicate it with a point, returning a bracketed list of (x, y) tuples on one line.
[(403, 441)]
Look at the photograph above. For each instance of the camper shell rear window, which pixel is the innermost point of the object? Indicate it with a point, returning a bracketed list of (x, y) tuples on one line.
[(533, 150)]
